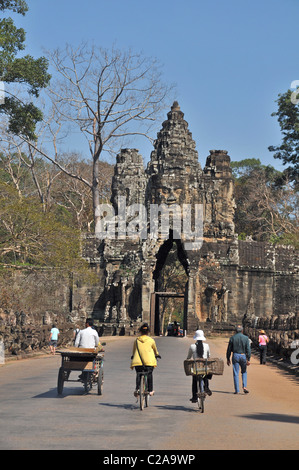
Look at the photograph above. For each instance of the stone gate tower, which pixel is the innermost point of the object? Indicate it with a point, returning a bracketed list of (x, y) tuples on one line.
[(226, 278)]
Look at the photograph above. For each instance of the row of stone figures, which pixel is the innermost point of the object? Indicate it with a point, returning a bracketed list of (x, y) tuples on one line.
[(289, 321), (282, 331)]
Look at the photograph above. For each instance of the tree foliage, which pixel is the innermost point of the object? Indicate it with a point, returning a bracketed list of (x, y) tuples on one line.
[(288, 119), (31, 74), (43, 212), (28, 236), (18, 6), (267, 203)]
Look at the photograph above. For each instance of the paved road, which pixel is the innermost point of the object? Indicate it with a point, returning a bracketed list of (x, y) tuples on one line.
[(32, 416)]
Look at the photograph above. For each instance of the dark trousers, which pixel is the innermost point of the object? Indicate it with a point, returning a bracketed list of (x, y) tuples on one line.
[(263, 354), (195, 386), (149, 370)]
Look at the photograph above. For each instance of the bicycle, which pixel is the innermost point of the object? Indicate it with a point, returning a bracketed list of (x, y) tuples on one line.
[(202, 391), (201, 394), (202, 370), (143, 393)]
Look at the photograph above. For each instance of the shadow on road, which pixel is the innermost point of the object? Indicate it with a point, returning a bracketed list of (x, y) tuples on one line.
[(52, 393), (130, 407), (124, 406), (273, 417), (176, 408)]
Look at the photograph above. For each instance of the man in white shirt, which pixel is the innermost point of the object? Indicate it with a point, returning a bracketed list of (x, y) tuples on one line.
[(87, 338)]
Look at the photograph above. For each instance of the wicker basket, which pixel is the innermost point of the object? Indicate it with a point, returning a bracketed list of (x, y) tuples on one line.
[(213, 366)]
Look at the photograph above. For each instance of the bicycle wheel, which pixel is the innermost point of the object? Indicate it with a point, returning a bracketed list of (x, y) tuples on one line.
[(201, 395), (201, 402), (146, 392), (60, 381), (142, 392), (100, 381)]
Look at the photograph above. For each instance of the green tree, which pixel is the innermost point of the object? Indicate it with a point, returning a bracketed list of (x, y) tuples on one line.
[(30, 236), (26, 71), (288, 119), (267, 203)]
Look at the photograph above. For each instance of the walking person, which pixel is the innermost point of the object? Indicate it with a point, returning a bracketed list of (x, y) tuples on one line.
[(239, 347), (87, 338), (199, 350), (263, 341), (53, 339), (145, 353)]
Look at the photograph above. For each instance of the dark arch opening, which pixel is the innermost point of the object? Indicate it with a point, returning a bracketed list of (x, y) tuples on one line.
[(171, 275)]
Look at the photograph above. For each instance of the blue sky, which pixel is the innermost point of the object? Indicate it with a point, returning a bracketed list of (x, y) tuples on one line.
[(229, 59)]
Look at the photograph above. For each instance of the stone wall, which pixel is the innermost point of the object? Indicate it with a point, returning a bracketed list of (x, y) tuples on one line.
[(282, 330), (228, 279), (32, 300), (268, 291)]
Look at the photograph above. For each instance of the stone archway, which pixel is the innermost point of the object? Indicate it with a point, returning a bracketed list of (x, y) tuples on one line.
[(177, 288)]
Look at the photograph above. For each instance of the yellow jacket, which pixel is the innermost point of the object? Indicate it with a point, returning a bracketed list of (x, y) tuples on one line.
[(148, 350)]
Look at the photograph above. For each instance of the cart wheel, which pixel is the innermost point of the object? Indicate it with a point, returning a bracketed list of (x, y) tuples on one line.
[(60, 381), (100, 381), (87, 382)]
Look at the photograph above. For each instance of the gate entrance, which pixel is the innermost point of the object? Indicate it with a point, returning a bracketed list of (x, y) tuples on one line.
[(170, 299), (155, 321)]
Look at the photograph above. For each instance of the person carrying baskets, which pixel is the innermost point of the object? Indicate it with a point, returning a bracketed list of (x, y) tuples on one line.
[(199, 350)]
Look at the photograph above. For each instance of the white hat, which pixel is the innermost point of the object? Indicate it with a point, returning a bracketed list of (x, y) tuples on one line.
[(199, 335)]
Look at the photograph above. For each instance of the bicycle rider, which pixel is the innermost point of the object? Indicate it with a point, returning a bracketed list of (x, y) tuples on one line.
[(197, 351), (144, 356)]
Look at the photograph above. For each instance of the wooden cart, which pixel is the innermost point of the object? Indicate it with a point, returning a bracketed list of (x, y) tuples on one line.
[(87, 361)]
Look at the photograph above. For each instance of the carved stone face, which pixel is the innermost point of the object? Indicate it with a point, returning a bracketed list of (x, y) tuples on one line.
[(175, 189), (169, 194)]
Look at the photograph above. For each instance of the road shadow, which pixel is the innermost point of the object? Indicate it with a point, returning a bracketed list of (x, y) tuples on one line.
[(273, 417), (280, 365), (124, 406), (134, 406), (52, 393), (176, 408)]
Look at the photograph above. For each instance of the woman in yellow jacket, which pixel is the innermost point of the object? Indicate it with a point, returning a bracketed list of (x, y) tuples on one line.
[(144, 355)]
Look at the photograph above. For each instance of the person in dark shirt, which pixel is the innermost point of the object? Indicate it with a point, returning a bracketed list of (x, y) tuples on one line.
[(239, 347)]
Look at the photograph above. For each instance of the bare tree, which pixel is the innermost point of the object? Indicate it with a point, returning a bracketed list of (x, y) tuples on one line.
[(110, 96), (74, 195), (17, 155), (267, 210)]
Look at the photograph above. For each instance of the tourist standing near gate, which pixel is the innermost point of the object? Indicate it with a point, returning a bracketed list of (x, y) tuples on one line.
[(263, 341), (239, 347)]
